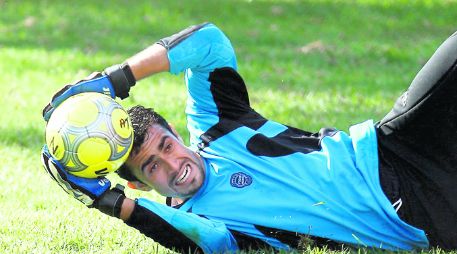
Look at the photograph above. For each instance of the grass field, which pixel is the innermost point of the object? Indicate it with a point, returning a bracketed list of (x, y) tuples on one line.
[(307, 63)]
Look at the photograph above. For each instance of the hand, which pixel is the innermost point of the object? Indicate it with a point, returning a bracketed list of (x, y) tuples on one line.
[(114, 81), (93, 192)]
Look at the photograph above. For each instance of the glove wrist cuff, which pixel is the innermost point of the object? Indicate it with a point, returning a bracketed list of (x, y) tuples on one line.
[(110, 203), (122, 78)]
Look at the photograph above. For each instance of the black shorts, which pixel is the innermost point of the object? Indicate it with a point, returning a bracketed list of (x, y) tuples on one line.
[(418, 149)]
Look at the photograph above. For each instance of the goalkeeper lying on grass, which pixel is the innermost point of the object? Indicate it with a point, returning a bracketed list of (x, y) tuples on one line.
[(249, 182)]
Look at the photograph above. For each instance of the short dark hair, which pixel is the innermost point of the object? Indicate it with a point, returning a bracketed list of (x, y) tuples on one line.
[(141, 118)]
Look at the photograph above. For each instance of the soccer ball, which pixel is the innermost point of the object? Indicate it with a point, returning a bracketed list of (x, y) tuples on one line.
[(90, 134)]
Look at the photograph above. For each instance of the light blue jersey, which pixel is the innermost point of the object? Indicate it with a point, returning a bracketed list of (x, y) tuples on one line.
[(264, 179)]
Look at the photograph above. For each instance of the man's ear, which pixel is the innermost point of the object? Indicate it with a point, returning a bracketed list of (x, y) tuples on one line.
[(136, 185), (175, 132)]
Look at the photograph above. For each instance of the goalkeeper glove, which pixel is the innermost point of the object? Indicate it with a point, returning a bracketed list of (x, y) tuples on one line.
[(93, 192), (114, 81)]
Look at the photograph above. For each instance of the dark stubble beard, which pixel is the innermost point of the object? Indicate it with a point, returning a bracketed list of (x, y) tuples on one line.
[(192, 191)]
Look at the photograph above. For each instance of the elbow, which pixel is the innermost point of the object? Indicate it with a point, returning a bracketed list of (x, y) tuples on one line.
[(221, 242), (208, 34)]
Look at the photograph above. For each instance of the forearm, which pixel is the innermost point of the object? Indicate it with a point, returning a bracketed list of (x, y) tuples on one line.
[(178, 241), (203, 46), (127, 208), (177, 229), (155, 227), (151, 60)]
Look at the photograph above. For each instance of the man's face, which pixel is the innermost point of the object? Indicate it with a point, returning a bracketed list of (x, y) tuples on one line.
[(164, 163)]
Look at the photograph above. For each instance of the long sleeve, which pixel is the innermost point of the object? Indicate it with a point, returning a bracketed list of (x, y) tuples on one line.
[(180, 230), (200, 48)]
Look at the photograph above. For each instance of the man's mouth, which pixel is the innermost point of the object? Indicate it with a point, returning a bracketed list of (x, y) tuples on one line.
[(184, 175)]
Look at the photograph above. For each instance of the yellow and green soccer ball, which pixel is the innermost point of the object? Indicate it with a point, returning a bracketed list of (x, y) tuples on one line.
[(90, 134)]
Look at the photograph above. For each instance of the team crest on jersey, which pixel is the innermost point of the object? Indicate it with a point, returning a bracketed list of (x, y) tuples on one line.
[(240, 180)]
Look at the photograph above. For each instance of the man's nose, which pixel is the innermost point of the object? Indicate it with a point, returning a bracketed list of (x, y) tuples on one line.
[(171, 164)]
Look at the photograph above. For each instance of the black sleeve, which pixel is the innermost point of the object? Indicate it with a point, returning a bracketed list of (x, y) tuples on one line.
[(249, 243), (153, 226), (156, 228)]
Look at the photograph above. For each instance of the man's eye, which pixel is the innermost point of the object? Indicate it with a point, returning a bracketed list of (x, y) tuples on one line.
[(151, 169), (168, 147)]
